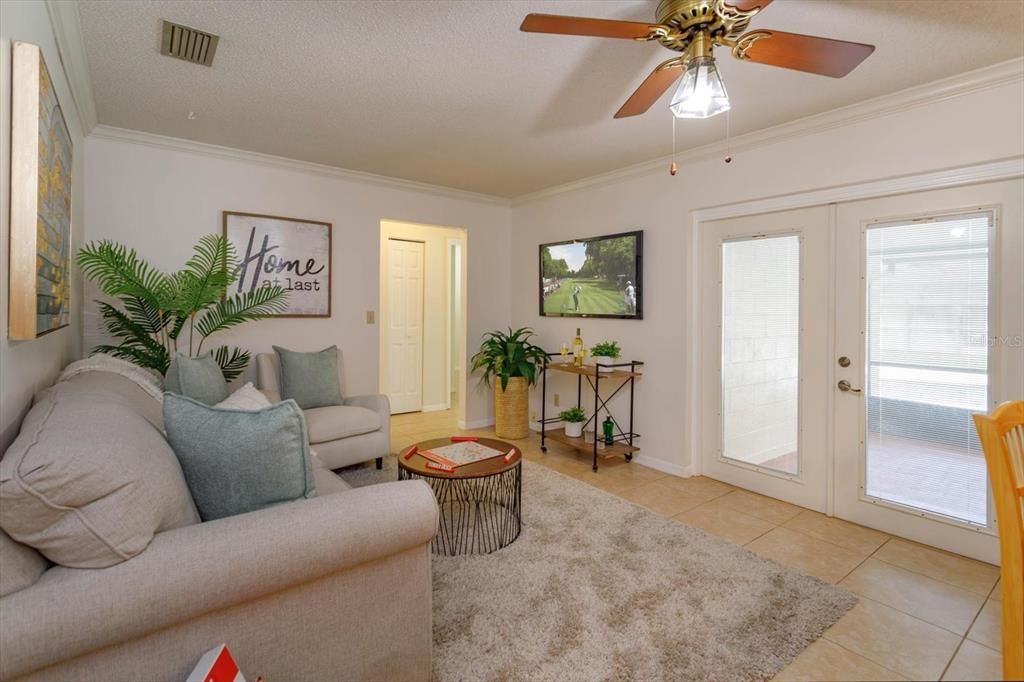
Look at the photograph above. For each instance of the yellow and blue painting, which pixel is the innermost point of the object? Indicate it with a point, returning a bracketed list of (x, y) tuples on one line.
[(53, 223)]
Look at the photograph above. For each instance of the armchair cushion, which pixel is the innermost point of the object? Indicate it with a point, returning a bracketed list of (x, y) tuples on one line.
[(340, 421), (310, 379)]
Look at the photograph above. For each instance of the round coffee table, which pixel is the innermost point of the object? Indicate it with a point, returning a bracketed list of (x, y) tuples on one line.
[(480, 503)]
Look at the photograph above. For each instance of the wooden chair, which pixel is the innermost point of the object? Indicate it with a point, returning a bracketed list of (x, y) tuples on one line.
[(1002, 439)]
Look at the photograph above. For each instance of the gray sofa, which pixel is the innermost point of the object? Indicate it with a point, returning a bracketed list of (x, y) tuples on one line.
[(358, 430), (336, 587)]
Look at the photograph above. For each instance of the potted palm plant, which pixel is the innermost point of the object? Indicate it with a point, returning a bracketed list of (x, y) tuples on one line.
[(574, 419), (161, 313), (508, 361)]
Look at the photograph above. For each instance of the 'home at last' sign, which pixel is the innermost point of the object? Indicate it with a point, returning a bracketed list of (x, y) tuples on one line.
[(286, 252)]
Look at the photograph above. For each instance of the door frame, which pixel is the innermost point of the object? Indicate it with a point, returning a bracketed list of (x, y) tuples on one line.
[(1006, 169)]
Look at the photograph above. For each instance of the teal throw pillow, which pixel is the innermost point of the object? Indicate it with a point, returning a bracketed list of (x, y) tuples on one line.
[(198, 378), (239, 461), (310, 379)]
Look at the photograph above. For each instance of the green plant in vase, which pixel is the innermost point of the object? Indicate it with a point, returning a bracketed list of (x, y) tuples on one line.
[(605, 353), (161, 313), (574, 418), (510, 361)]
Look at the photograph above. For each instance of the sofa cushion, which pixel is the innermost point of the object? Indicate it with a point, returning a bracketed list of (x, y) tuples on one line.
[(90, 479), (340, 421), (20, 565), (199, 378), (240, 461), (310, 379)]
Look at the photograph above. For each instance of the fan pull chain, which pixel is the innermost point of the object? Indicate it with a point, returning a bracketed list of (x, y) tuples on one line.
[(728, 138), (673, 169)]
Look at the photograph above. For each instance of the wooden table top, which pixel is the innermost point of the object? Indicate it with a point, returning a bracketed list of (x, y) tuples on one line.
[(417, 464)]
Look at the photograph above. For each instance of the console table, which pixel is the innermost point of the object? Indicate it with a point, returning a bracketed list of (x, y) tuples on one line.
[(619, 375)]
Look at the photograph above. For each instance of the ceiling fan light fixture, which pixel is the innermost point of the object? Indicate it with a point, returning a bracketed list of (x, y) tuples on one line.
[(701, 93)]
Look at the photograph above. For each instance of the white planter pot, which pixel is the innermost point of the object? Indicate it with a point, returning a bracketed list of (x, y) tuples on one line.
[(574, 429), (604, 360)]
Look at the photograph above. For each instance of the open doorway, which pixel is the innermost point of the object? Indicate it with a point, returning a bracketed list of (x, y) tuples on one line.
[(422, 317)]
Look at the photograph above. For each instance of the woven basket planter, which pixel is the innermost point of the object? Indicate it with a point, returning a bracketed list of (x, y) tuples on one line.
[(511, 409)]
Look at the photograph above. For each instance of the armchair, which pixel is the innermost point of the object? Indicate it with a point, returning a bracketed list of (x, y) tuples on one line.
[(356, 431)]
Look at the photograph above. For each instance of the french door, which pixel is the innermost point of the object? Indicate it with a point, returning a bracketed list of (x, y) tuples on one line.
[(845, 348), (765, 354), (928, 285)]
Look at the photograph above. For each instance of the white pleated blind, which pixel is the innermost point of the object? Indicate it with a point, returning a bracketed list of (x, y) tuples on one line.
[(760, 351), (927, 362)]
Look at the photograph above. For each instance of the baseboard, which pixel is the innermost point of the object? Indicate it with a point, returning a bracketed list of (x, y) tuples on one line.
[(663, 466), (436, 407), (478, 424)]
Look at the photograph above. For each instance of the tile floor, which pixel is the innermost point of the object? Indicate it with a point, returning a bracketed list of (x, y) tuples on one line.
[(924, 614)]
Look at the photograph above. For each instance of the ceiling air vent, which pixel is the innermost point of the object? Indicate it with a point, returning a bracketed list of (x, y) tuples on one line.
[(189, 44)]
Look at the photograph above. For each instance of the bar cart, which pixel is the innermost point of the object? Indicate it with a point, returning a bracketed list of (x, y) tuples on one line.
[(620, 375)]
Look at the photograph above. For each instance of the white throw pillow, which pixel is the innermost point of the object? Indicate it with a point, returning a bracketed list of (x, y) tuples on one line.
[(246, 399)]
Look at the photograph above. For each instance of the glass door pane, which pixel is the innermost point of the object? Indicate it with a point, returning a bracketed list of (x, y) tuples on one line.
[(927, 369), (760, 352)]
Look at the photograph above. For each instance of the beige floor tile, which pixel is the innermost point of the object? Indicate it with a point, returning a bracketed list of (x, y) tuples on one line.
[(809, 555), (975, 662), (660, 499), (824, 661), (997, 591), (911, 647), (969, 574), (698, 486), (930, 600), (725, 522), (766, 508), (988, 626), (837, 531)]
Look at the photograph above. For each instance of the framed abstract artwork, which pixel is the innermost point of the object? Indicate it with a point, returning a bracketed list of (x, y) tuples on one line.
[(41, 165), (290, 253)]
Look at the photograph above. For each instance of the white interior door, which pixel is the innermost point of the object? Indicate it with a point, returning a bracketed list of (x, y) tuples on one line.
[(765, 293), (404, 328), (928, 313)]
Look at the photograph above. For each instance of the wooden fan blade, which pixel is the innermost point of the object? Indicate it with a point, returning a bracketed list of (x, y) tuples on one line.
[(812, 54), (651, 89), (585, 26), (747, 5)]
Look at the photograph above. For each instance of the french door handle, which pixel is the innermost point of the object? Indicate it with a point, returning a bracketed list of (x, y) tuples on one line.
[(845, 387)]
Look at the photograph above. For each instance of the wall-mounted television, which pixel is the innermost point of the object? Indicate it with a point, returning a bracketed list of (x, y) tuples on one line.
[(595, 277)]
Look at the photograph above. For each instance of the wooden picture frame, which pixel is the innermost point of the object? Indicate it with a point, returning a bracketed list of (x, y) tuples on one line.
[(301, 260), (42, 161)]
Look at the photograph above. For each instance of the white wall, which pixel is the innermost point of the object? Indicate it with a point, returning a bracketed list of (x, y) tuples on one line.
[(159, 198), (29, 366), (977, 126), (436, 306)]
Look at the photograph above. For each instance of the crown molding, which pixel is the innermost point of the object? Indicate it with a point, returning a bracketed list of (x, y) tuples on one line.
[(929, 93), (105, 132), (67, 31)]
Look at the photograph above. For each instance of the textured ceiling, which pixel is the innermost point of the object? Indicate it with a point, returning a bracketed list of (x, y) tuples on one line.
[(452, 93)]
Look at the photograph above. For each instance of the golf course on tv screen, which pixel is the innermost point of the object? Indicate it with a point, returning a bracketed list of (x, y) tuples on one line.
[(597, 277)]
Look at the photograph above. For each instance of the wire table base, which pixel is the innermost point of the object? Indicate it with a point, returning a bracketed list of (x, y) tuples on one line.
[(477, 515)]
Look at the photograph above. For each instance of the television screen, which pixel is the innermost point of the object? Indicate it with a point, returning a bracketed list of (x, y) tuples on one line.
[(596, 277)]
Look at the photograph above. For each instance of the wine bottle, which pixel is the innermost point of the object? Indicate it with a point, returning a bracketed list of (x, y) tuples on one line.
[(577, 349)]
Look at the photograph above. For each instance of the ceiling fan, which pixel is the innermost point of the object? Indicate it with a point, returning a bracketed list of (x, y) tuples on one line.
[(694, 28)]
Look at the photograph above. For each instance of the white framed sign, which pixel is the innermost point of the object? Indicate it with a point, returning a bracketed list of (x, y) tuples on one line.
[(286, 252)]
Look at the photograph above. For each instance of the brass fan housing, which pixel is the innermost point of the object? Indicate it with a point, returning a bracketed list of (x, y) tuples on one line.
[(686, 19)]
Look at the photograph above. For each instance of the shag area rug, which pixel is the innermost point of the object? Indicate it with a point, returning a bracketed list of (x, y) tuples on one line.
[(597, 588)]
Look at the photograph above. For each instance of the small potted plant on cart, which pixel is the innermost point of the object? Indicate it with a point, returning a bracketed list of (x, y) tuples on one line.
[(605, 353), (574, 419)]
